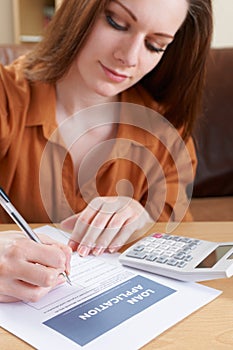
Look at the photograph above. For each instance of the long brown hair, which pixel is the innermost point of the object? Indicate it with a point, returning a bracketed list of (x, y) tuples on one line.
[(63, 39), (176, 82)]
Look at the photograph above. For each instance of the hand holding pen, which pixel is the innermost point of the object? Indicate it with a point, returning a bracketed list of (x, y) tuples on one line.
[(29, 269)]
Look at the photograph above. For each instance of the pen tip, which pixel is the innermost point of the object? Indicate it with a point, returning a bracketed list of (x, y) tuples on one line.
[(64, 274), (68, 279)]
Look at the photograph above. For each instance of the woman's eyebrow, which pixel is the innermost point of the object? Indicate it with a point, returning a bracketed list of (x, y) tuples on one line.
[(126, 9), (135, 19)]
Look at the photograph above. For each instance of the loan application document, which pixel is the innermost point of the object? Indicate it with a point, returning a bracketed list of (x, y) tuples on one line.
[(108, 306)]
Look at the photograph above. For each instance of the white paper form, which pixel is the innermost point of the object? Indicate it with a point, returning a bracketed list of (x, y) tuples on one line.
[(107, 307)]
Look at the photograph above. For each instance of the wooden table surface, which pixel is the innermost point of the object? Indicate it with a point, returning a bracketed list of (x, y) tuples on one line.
[(209, 328)]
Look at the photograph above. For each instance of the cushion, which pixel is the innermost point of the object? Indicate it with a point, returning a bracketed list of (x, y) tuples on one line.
[(214, 133)]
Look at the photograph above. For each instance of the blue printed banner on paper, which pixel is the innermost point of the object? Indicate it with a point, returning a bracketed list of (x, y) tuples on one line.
[(89, 320)]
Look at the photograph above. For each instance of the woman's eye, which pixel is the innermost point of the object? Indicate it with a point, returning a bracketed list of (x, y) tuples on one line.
[(153, 48), (114, 24)]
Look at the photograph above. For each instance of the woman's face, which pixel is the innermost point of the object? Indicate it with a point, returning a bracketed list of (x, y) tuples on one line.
[(127, 41)]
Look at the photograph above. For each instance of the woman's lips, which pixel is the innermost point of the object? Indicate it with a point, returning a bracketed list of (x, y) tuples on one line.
[(114, 76)]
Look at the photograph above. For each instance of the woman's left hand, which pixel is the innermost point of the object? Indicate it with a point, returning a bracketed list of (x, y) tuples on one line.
[(107, 223)]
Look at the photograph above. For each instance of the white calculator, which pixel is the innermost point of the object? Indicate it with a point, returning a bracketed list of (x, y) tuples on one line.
[(182, 258)]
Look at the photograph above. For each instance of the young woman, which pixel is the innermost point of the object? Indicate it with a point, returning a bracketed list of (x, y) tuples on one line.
[(60, 157)]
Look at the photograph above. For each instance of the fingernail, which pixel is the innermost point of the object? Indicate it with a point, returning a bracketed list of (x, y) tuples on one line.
[(113, 250), (98, 251), (73, 245), (83, 251), (60, 278)]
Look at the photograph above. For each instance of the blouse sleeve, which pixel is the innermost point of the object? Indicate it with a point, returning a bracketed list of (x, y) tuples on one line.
[(14, 94)]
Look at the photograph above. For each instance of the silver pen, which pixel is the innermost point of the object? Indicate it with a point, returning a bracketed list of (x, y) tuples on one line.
[(19, 220)]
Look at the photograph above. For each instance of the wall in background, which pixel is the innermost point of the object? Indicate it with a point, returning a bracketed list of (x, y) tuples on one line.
[(223, 28), (6, 22)]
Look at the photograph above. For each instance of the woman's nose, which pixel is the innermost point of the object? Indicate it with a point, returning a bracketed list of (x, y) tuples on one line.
[(128, 52)]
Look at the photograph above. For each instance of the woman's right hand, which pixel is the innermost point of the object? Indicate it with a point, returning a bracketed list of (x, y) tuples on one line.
[(29, 270)]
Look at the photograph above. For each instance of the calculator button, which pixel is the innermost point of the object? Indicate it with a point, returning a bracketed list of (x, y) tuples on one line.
[(148, 250), (181, 264), (170, 242), (158, 251), (186, 240), (146, 242), (168, 254), (186, 249), (174, 249), (161, 259), (139, 248), (158, 235), (179, 256), (196, 241), (171, 237), (133, 254), (152, 257), (164, 246), (188, 258), (180, 244), (176, 238), (166, 236), (172, 262), (192, 246), (153, 245), (148, 239), (160, 240)]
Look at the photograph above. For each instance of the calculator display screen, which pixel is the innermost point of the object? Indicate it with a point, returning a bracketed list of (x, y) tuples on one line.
[(215, 256)]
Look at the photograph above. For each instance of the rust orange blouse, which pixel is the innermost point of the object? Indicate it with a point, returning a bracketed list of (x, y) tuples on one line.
[(146, 165)]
